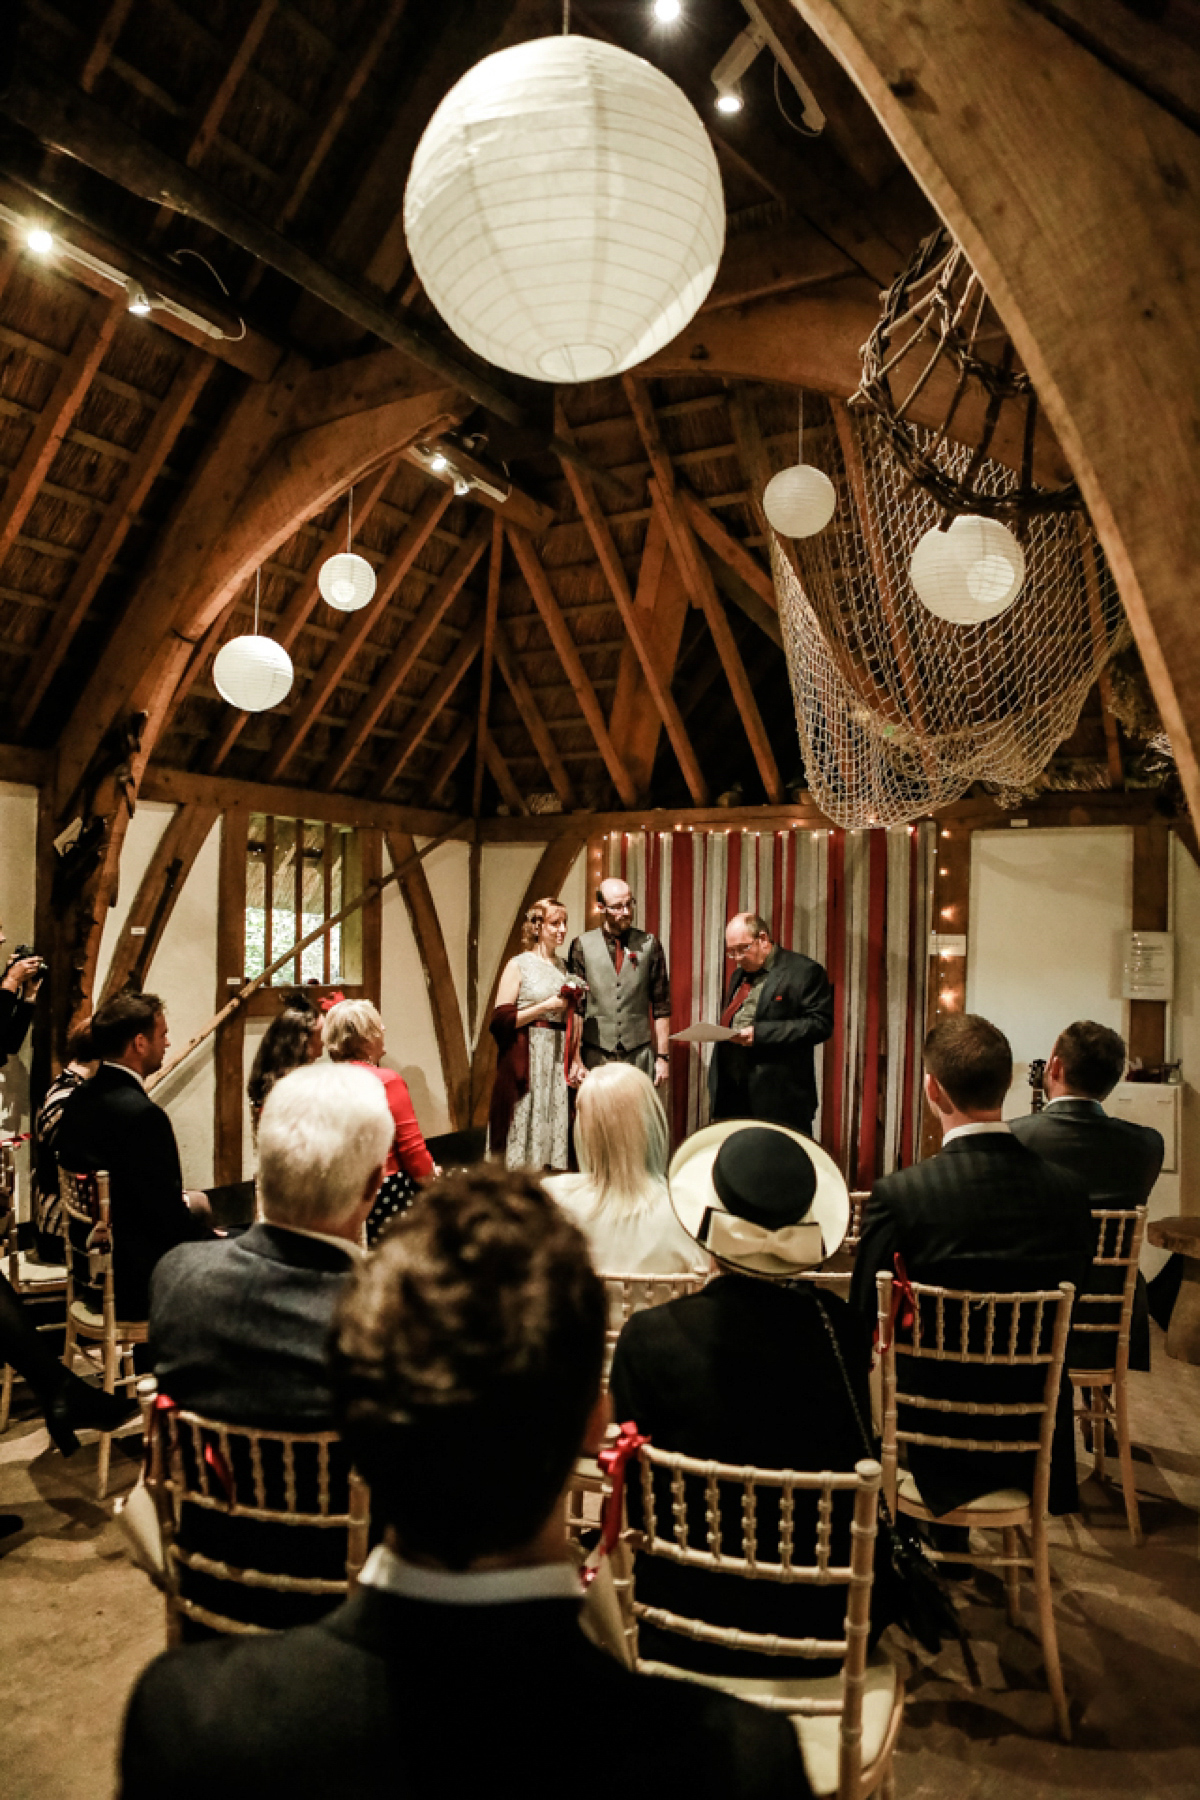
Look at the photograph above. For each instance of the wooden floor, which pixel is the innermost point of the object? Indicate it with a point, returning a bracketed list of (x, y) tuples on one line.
[(77, 1623)]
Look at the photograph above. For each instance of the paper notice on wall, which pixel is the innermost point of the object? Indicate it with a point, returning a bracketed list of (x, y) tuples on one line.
[(1149, 968)]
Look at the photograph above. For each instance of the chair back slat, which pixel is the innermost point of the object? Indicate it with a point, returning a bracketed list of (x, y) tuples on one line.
[(1119, 1235), (628, 1294)]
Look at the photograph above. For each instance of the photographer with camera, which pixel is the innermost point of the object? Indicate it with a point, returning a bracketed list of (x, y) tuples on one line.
[(18, 990)]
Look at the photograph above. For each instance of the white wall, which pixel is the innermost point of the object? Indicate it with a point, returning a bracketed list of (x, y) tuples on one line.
[(412, 1041), (1047, 912), (18, 843)]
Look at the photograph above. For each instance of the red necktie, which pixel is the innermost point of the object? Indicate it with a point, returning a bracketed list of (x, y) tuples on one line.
[(618, 954), (739, 994)]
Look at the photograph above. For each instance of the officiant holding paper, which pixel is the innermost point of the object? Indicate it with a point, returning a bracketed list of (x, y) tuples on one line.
[(779, 1006)]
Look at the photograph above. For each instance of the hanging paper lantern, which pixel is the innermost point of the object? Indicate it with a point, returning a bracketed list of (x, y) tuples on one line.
[(970, 573), (346, 581), (564, 209), (252, 672), (799, 501)]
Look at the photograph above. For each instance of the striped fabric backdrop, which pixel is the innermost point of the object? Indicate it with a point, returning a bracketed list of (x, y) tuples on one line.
[(859, 902)]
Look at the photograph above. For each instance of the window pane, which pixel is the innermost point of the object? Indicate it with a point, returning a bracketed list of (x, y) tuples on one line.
[(283, 914), (256, 897)]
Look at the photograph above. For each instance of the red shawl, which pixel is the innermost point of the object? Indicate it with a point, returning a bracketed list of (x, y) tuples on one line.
[(512, 1074)]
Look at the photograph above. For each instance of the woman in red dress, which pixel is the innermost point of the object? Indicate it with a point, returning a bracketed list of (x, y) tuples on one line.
[(354, 1033)]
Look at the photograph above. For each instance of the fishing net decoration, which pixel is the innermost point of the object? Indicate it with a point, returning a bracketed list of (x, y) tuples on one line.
[(900, 712)]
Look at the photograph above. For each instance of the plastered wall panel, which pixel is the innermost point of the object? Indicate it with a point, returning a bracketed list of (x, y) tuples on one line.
[(412, 1046), (184, 973), (448, 872), (141, 841), (504, 873)]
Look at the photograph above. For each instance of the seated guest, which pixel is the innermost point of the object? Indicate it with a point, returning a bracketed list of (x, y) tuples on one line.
[(292, 1039), (750, 1370), (620, 1200), (18, 990), (354, 1033), (466, 1373), (239, 1327), (985, 1214), (1118, 1162), (110, 1122), (80, 1066)]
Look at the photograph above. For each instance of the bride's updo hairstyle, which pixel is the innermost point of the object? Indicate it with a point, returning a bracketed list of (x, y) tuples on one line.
[(536, 917)]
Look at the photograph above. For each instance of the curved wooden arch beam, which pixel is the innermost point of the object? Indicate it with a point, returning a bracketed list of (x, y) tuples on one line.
[(1074, 195), (813, 341), (439, 980), (258, 482)]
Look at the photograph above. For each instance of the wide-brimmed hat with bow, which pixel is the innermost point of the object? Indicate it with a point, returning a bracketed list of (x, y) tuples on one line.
[(759, 1197)]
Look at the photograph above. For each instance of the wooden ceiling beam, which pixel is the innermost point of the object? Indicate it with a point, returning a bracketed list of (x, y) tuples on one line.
[(413, 641), (662, 606), (728, 548), (1112, 737), (356, 629), (92, 339), (491, 613), (534, 723), (699, 579), (546, 602), (287, 627), (439, 977), (501, 774), (614, 573), (427, 708), (159, 889), (452, 754), (216, 105), (776, 260), (103, 43), (110, 534), (181, 786)]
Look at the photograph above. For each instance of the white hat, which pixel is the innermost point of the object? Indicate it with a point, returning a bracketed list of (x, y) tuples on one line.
[(773, 1207)]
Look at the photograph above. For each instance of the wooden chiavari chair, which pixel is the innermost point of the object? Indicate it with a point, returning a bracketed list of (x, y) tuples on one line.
[(984, 1331), (1104, 1395), (282, 1485), (846, 1723), (92, 1320)]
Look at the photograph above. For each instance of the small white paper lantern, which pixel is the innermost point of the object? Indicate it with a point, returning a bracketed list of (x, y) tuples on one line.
[(252, 672), (347, 581), (969, 574), (564, 209), (800, 501)]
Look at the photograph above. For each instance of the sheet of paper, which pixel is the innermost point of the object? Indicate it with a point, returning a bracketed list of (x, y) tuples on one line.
[(703, 1033)]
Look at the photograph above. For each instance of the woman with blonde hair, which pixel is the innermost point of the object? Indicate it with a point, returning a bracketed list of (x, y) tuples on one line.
[(535, 1024), (619, 1199), (355, 1033)]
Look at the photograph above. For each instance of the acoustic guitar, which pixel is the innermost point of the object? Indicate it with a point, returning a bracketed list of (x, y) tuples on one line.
[(1037, 1074)]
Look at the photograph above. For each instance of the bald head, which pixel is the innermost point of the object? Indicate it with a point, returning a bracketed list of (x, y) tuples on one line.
[(616, 903)]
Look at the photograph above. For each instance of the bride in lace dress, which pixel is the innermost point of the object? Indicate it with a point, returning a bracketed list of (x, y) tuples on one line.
[(530, 1117)]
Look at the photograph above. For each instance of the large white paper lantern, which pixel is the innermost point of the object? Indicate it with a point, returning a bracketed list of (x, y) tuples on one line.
[(346, 581), (799, 501), (252, 672), (969, 574), (564, 209)]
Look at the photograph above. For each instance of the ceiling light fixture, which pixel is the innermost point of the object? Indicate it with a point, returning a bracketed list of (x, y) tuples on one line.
[(727, 76), (139, 300), (439, 463), (39, 240), (667, 11), (347, 581)]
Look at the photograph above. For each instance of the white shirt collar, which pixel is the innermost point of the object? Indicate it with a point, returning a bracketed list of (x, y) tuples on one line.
[(1059, 1098), (353, 1251), (486, 1587), (125, 1070), (976, 1128)]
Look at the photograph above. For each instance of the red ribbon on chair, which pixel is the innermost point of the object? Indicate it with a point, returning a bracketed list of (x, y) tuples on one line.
[(614, 1459), (221, 1470), (904, 1303)]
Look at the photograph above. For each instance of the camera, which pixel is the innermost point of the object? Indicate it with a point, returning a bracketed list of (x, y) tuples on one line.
[(24, 950)]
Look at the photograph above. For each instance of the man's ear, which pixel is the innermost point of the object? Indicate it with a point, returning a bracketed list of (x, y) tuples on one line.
[(1054, 1069), (374, 1183), (936, 1095), (599, 1420)]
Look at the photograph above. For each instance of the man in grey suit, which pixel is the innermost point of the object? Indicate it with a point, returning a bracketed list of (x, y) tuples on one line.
[(1117, 1161), (629, 996), (239, 1326)]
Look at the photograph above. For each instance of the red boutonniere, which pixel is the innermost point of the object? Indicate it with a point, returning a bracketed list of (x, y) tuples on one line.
[(328, 1001)]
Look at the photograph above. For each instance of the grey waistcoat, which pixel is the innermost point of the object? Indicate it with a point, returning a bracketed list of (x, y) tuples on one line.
[(618, 1007)]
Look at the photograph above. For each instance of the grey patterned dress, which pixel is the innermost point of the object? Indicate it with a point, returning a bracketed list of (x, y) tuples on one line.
[(537, 1137)]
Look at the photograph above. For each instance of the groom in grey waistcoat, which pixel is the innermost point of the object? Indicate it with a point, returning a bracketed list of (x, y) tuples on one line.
[(628, 1015)]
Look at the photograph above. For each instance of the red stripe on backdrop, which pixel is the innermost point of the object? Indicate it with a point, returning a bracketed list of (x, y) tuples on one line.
[(786, 914), (910, 1024), (835, 1049), (777, 883), (868, 1127), (649, 900), (681, 849), (733, 874)]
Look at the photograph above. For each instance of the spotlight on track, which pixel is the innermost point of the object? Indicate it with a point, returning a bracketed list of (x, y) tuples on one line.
[(667, 11), (39, 240), (727, 76)]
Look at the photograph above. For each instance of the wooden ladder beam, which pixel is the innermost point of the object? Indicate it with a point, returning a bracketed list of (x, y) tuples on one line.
[(410, 646), (567, 650)]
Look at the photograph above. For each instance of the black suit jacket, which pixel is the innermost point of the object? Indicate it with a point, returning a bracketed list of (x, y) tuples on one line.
[(16, 1016), (1119, 1163), (238, 1332), (392, 1698), (239, 1326), (110, 1122), (745, 1372), (773, 1078), (987, 1214)]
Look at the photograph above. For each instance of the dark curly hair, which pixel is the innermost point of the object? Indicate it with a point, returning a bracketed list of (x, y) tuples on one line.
[(284, 1048), (466, 1357)]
